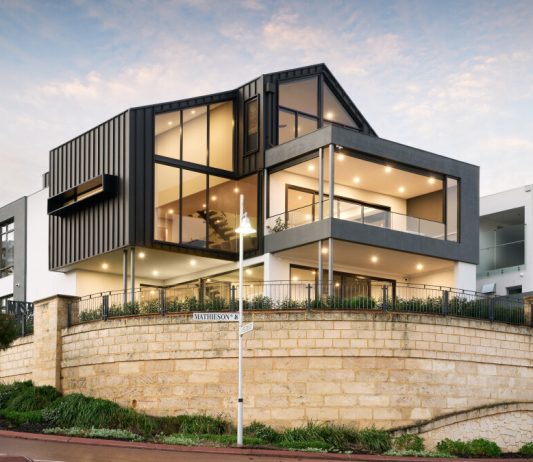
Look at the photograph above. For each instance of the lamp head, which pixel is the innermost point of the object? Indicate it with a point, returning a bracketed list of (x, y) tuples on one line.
[(245, 227)]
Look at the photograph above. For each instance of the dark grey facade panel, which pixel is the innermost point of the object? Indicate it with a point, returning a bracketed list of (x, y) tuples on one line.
[(17, 211), (100, 228)]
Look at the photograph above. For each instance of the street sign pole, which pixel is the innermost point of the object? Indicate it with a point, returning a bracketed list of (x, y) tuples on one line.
[(240, 399)]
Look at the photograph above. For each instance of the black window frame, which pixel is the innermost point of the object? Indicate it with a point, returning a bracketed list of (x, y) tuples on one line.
[(249, 101), (5, 231)]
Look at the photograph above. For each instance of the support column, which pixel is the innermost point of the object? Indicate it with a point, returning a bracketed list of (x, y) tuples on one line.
[(51, 316), (125, 276), (320, 271), (331, 179), (132, 264), (330, 267), (321, 184)]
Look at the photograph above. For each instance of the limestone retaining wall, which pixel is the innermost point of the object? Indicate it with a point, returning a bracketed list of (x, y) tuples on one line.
[(355, 368), (16, 363)]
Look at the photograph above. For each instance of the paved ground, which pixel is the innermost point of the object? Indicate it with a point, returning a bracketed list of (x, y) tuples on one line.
[(72, 452)]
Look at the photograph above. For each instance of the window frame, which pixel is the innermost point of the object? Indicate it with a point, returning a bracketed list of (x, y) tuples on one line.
[(248, 152), (5, 231)]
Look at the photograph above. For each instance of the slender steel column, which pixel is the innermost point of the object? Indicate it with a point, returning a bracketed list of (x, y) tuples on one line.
[(330, 267), (320, 271), (132, 264), (331, 179), (240, 398), (125, 276), (321, 184)]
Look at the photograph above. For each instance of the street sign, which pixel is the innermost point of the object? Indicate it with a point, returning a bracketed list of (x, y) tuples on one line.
[(246, 328), (216, 317)]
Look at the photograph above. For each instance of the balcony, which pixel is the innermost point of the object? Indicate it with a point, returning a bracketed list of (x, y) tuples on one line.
[(358, 213)]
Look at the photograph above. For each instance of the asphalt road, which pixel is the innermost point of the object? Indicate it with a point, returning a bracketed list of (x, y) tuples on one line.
[(47, 451)]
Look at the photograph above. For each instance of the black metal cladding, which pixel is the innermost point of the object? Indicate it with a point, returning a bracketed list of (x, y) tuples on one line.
[(104, 226)]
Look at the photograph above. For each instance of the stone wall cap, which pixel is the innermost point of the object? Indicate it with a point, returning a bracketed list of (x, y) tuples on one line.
[(69, 297)]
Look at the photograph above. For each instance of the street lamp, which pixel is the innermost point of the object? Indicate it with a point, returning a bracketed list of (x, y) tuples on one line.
[(244, 229)]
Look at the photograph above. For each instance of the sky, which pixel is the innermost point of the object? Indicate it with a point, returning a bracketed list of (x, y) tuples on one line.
[(451, 77)]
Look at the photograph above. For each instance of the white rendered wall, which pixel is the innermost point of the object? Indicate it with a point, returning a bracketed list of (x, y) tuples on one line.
[(506, 200), (6, 286), (465, 276), (40, 282)]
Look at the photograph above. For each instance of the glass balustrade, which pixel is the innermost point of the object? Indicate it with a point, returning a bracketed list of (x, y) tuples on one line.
[(359, 213)]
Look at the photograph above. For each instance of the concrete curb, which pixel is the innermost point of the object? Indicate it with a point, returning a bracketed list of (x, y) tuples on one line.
[(232, 450)]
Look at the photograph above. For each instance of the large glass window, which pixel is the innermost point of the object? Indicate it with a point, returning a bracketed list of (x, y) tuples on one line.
[(167, 134), (209, 212), (194, 212), (251, 111), (195, 135), (300, 95), (7, 248), (221, 135), (333, 111), (3, 302), (452, 209), (183, 135), (167, 204)]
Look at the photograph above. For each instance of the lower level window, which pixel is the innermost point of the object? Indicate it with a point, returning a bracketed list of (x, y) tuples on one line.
[(7, 248)]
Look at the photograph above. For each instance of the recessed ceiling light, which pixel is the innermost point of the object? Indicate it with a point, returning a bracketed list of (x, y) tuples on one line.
[(374, 259), (324, 250), (152, 292), (401, 189), (388, 169), (193, 262), (357, 179), (311, 168), (170, 211), (105, 266), (203, 206), (308, 216), (193, 111), (142, 255), (235, 190), (337, 284), (155, 273), (340, 157), (329, 115), (295, 278), (313, 272), (213, 198), (170, 123), (431, 180), (249, 271), (420, 266), (208, 280)]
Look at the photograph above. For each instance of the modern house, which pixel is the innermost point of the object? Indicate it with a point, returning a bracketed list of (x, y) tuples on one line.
[(148, 201), (506, 234)]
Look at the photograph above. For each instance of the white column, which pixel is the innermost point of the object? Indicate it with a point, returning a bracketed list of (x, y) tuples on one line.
[(465, 276)]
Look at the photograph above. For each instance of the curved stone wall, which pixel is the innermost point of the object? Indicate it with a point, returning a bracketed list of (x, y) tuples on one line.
[(16, 362), (356, 368)]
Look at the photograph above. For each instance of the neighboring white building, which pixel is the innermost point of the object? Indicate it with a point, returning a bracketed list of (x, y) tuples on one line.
[(506, 242)]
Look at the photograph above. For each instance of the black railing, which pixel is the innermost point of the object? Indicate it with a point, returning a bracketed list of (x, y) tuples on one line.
[(23, 314), (301, 295)]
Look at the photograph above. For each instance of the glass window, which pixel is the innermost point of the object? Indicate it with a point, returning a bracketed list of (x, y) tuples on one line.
[(252, 125), (300, 206), (221, 135), (194, 188), (3, 303), (223, 212), (452, 209), (195, 135), (306, 125), (287, 126), (7, 248), (300, 95), (167, 204), (333, 111), (167, 134)]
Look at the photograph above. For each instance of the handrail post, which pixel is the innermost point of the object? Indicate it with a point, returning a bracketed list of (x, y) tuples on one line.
[(491, 309), (105, 307), (233, 288), (445, 302), (162, 305), (308, 296), (385, 290)]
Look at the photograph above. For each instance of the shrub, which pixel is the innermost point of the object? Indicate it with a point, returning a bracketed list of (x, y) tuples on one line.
[(90, 315), (23, 396), (262, 431), (408, 442), (474, 448), (374, 440), (8, 330), (526, 450), (22, 417), (411, 453), (203, 424)]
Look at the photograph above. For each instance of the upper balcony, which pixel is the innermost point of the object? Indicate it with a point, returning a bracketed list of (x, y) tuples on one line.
[(339, 183)]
